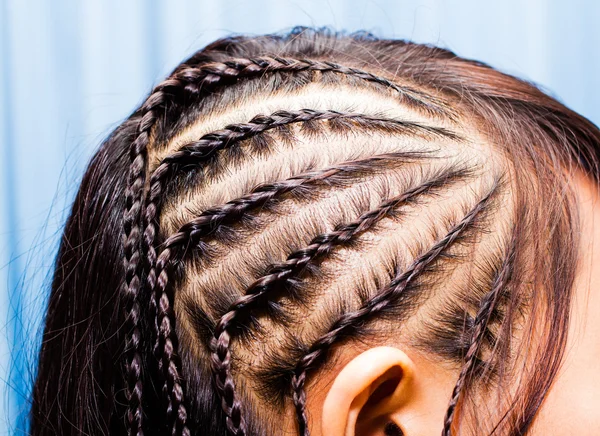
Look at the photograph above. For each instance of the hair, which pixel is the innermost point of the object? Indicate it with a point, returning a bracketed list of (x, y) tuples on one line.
[(242, 227)]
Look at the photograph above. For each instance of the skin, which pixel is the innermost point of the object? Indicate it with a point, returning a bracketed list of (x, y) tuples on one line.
[(419, 400)]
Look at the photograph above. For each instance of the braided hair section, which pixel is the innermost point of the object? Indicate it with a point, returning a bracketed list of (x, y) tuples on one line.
[(198, 151), (349, 321), (249, 255)]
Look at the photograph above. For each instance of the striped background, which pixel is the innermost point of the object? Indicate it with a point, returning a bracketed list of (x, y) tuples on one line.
[(70, 71)]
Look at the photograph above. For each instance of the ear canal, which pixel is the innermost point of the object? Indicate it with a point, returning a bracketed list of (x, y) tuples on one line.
[(392, 429)]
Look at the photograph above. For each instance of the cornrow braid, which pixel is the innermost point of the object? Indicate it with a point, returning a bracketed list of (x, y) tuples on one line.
[(190, 234), (199, 151), (487, 307), (349, 321), (319, 247), (195, 80)]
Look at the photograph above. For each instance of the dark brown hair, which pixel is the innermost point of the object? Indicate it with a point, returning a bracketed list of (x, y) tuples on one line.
[(176, 308)]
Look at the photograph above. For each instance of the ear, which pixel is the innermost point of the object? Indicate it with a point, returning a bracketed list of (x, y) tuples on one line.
[(367, 392)]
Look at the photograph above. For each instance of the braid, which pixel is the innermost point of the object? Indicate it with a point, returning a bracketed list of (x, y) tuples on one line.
[(349, 321), (169, 360), (199, 151), (320, 246), (209, 220), (132, 284), (488, 305), (220, 365), (197, 79)]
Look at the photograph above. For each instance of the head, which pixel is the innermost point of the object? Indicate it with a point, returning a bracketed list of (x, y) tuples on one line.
[(325, 234)]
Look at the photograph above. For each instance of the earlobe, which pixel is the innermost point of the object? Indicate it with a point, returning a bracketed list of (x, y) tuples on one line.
[(374, 384)]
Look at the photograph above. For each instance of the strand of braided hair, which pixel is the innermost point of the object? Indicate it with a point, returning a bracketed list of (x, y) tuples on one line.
[(195, 154), (487, 307), (379, 302), (132, 284), (318, 247), (196, 81)]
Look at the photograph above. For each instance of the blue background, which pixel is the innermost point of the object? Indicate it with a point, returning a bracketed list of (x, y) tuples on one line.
[(70, 71)]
